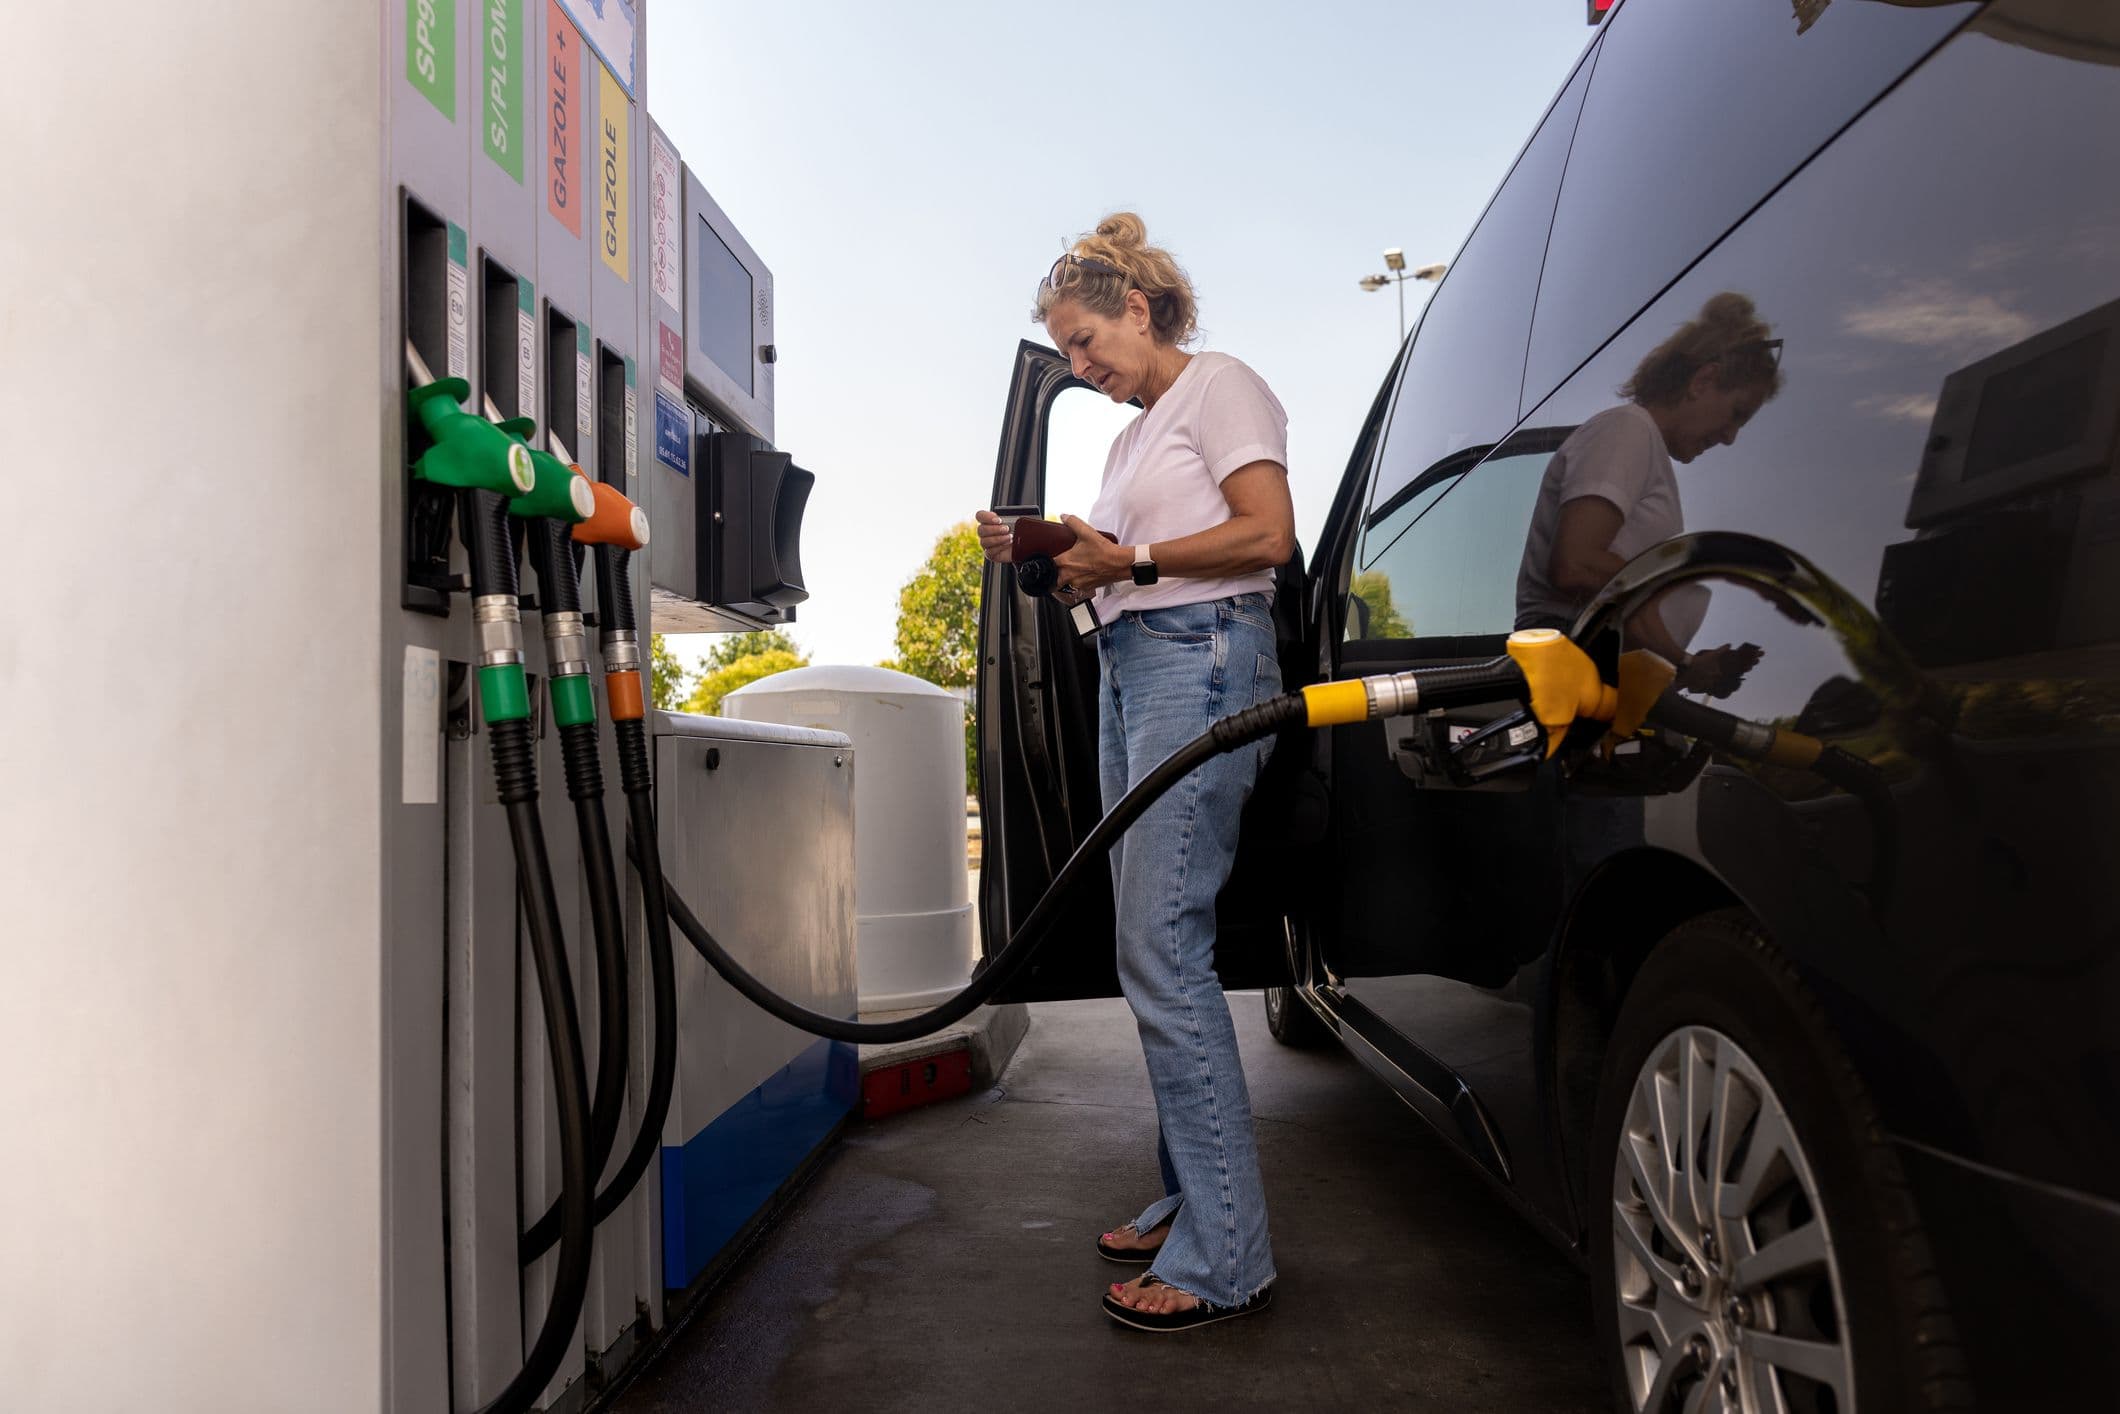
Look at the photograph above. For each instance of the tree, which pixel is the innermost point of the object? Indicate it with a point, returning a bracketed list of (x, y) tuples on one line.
[(730, 647), (717, 683), (1374, 590), (668, 682), (938, 625)]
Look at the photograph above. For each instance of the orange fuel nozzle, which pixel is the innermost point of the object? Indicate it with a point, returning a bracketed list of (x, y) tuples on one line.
[(615, 521)]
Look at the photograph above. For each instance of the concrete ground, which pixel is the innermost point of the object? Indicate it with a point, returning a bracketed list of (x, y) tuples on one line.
[(944, 1259)]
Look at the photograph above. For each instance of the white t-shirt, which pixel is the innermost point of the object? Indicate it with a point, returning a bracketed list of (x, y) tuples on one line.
[(1618, 456), (1163, 478)]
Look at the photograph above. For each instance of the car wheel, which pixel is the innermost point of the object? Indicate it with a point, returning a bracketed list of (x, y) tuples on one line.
[(1291, 1020), (1752, 1242)]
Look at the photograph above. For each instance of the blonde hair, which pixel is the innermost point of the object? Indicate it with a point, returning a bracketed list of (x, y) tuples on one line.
[(1729, 333), (1121, 241)]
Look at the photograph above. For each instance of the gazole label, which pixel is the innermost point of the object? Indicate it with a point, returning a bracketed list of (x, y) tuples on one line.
[(563, 120), (614, 119)]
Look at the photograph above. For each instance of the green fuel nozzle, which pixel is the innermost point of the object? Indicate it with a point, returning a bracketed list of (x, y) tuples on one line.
[(469, 453), (557, 491), (561, 492)]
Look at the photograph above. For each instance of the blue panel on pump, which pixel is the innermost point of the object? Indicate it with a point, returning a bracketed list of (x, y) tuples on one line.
[(720, 1178)]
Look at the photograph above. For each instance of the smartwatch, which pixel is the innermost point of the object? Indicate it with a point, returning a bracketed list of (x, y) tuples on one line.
[(1144, 567)]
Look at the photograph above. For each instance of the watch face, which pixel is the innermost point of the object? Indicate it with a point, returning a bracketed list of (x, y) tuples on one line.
[(1145, 574)]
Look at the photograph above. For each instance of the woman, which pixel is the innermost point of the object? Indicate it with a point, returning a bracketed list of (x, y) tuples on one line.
[(1611, 491), (1196, 489)]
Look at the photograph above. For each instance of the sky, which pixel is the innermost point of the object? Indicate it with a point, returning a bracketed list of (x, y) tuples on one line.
[(909, 171)]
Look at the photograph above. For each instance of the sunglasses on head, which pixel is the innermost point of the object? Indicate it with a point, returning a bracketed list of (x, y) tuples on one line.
[(1080, 262), (1770, 348)]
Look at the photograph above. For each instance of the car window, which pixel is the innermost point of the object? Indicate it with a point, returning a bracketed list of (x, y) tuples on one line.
[(1450, 558), (1695, 113), (1080, 428), (1464, 372)]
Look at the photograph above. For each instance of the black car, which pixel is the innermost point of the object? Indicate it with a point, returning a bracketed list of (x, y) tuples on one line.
[(1818, 1073)]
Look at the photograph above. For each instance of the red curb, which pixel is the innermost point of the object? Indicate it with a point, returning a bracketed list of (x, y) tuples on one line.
[(890, 1088)]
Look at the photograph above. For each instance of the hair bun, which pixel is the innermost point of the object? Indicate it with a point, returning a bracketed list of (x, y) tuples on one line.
[(1732, 313), (1123, 228), (1123, 261)]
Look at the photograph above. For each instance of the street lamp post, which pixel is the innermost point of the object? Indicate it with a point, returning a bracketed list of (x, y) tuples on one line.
[(1395, 262)]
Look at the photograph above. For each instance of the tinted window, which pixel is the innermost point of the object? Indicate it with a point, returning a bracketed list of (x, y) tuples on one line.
[(1466, 367), (1697, 110), (1450, 558)]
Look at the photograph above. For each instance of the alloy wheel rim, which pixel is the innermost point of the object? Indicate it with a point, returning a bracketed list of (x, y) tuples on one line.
[(1728, 1287)]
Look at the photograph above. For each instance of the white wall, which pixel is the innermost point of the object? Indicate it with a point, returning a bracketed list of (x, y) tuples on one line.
[(190, 1135)]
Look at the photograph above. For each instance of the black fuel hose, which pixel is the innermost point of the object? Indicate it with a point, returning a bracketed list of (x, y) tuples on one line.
[(662, 971), (570, 1283), (1232, 732), (559, 591), (1783, 747), (484, 527)]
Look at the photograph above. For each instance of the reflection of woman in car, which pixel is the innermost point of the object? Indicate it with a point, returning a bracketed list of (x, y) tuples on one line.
[(1610, 491), (1196, 489)]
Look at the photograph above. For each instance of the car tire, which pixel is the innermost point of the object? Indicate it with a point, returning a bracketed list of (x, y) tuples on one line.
[(1291, 1021), (1810, 1276)]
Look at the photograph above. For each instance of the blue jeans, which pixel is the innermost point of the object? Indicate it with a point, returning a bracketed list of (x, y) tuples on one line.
[(1167, 675)]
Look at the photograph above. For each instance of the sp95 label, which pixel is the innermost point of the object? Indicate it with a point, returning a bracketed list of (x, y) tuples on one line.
[(430, 51)]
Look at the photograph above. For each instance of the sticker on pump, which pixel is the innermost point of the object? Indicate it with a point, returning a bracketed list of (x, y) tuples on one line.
[(459, 302), (584, 414), (665, 252), (671, 442), (420, 727), (525, 345), (632, 425)]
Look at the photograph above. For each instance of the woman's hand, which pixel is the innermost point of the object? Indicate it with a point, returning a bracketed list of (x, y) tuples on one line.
[(994, 536), (1092, 562), (1719, 672)]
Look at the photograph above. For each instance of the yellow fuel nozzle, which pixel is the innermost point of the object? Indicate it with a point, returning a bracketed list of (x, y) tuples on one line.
[(1643, 678), (1562, 681)]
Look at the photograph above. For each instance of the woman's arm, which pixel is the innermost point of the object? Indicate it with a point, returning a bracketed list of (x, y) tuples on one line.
[(1259, 534), (1582, 561)]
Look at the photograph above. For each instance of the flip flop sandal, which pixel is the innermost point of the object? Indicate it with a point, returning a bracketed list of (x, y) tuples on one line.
[(1131, 1256), (1203, 1314)]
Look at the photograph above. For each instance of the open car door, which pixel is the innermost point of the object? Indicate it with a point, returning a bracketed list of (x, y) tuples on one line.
[(1036, 707)]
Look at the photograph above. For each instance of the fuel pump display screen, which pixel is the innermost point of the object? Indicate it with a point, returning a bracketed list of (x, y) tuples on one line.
[(724, 307)]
